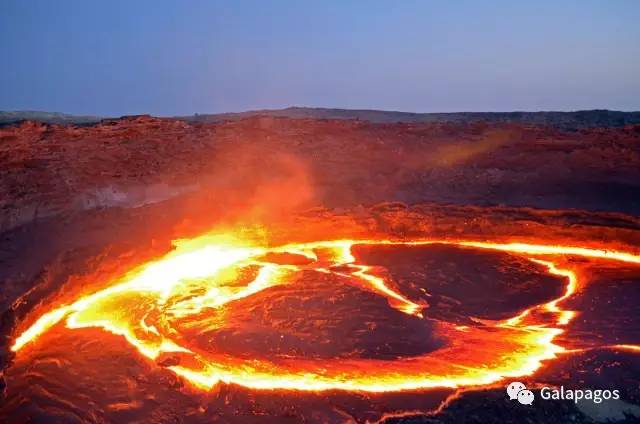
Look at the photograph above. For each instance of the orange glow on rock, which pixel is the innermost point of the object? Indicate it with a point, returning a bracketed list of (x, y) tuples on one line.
[(201, 276)]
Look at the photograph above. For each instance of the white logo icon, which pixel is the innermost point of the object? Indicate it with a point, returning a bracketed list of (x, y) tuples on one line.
[(517, 390)]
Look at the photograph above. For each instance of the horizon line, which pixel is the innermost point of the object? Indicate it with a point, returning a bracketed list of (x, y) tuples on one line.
[(248, 111)]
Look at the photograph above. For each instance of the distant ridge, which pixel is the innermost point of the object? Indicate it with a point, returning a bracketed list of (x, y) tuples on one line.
[(564, 120), (567, 120), (47, 117)]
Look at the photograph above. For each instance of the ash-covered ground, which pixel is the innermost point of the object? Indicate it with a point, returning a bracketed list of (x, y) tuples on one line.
[(82, 204)]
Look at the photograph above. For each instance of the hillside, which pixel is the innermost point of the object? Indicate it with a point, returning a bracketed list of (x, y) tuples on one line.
[(11, 117), (562, 120)]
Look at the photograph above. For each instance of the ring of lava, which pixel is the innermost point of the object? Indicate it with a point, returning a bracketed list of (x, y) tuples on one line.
[(334, 315)]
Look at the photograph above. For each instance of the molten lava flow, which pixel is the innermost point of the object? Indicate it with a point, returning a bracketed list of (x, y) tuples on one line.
[(204, 276)]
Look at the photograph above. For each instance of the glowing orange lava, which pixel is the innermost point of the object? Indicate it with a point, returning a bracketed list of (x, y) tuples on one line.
[(201, 276)]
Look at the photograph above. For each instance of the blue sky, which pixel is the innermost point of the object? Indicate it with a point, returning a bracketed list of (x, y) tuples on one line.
[(182, 57)]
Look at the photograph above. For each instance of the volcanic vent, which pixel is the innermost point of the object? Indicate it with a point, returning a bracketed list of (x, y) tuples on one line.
[(172, 310)]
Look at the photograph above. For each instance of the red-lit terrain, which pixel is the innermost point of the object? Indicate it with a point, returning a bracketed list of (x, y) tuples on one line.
[(265, 270)]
